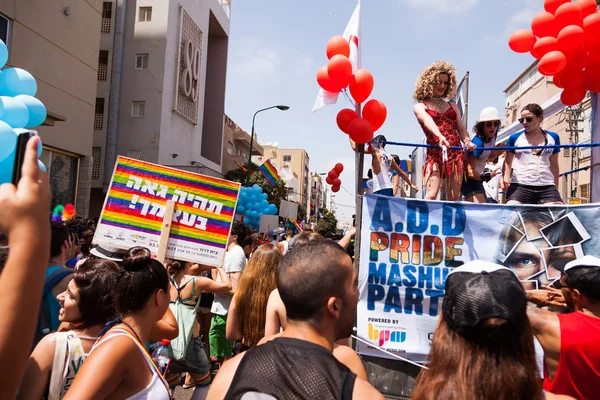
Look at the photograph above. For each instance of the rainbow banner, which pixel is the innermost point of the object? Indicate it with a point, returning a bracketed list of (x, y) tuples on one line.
[(269, 172), (135, 206)]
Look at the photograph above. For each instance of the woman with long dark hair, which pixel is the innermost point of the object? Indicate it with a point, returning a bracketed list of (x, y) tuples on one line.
[(119, 365), (86, 305), (483, 344)]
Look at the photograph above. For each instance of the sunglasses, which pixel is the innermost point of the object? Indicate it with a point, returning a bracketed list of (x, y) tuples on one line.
[(528, 119), (495, 124)]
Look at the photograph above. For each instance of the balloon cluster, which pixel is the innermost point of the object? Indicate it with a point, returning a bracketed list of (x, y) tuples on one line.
[(566, 39), (18, 109), (333, 177), (336, 76), (252, 203)]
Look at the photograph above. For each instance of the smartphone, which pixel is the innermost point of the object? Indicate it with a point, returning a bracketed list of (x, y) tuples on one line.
[(22, 140)]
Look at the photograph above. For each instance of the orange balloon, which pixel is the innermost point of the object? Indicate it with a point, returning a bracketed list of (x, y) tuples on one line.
[(571, 79), (588, 7), (543, 25), (543, 46), (326, 82), (568, 14), (361, 85), (552, 5), (552, 63), (344, 118), (570, 38), (361, 131), (339, 69), (571, 97), (521, 41), (375, 112), (338, 45)]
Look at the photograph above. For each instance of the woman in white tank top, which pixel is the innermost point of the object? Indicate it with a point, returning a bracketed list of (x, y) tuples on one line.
[(119, 365), (382, 165)]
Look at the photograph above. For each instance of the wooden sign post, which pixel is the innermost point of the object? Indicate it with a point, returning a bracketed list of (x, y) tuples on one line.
[(165, 231)]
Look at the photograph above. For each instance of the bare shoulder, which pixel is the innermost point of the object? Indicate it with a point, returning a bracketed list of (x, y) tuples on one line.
[(364, 390), (350, 359), (419, 107), (220, 386), (542, 321), (43, 354), (552, 396)]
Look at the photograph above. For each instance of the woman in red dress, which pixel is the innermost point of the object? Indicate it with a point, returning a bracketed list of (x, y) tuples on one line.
[(442, 126)]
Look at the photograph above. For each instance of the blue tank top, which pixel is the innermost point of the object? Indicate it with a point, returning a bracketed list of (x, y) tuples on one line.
[(50, 301)]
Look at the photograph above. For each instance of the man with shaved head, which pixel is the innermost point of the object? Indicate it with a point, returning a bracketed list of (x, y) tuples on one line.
[(319, 289)]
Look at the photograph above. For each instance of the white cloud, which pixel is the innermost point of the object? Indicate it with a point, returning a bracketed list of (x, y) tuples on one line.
[(255, 61), (442, 6), (305, 65), (522, 18)]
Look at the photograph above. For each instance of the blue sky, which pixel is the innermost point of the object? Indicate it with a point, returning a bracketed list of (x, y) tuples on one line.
[(276, 48)]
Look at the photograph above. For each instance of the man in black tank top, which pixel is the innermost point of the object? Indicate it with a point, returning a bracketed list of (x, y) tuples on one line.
[(319, 289)]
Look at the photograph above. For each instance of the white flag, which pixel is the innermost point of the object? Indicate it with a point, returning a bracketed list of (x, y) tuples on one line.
[(460, 97), (352, 35)]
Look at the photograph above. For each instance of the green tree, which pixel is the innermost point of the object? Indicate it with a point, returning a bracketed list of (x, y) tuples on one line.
[(275, 193), (328, 224)]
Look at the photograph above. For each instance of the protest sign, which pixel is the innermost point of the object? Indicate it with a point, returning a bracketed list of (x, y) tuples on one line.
[(409, 246), (136, 202)]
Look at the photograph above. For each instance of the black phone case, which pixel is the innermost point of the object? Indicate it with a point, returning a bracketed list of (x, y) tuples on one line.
[(22, 140)]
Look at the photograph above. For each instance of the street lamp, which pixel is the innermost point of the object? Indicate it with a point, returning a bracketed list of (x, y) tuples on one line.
[(280, 107)]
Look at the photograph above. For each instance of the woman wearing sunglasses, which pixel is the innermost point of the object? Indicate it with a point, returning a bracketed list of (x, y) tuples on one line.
[(534, 172), (486, 130)]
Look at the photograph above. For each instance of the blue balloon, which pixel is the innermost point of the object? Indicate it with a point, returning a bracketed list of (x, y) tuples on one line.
[(41, 166), (247, 221), (8, 140), (17, 81), (264, 196), (37, 110), (256, 188), (3, 54), (256, 206), (240, 210), (15, 113), (252, 199), (264, 203)]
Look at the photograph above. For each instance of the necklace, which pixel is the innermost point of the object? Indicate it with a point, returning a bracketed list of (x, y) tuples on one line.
[(439, 102)]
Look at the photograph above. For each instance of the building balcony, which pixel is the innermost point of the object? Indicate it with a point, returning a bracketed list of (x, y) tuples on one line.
[(242, 140)]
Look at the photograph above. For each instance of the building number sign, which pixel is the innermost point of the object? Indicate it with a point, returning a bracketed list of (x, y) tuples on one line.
[(191, 73)]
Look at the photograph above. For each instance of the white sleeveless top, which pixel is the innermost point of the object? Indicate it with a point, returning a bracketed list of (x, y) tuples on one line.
[(156, 389), (382, 179)]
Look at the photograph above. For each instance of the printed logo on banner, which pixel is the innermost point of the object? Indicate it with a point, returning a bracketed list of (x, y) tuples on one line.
[(384, 335)]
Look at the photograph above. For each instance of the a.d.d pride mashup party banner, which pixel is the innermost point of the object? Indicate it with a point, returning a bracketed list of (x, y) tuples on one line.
[(135, 206), (408, 247)]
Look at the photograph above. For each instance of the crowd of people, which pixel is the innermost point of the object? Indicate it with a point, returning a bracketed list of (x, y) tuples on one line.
[(524, 176)]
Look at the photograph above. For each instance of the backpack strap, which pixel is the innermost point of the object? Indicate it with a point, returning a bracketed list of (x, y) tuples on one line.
[(55, 277)]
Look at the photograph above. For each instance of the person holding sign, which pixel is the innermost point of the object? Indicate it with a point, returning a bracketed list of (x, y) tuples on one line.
[(442, 125)]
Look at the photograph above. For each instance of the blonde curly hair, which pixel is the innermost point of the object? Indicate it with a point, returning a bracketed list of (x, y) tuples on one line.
[(427, 78)]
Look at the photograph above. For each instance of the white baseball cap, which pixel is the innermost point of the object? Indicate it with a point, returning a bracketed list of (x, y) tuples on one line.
[(583, 262), (489, 114)]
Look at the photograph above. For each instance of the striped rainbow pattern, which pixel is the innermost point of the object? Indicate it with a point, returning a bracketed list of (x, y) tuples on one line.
[(118, 213), (269, 172)]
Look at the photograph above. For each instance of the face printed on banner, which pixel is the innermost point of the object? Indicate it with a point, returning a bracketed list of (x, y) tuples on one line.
[(537, 246)]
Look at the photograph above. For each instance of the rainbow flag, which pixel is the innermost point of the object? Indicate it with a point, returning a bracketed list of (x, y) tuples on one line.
[(135, 206), (269, 172), (240, 166)]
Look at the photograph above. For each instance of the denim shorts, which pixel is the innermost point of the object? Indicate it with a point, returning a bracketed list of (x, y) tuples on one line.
[(527, 194)]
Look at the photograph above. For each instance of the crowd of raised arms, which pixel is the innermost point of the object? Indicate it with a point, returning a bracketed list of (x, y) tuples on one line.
[(275, 320)]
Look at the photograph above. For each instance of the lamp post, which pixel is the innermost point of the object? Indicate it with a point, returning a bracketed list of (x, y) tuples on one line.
[(280, 107)]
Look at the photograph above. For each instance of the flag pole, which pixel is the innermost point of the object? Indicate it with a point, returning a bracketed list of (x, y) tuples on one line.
[(466, 99)]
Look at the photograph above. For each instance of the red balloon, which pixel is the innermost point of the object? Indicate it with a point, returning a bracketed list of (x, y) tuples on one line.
[(577, 59), (556, 80), (329, 180), (594, 60), (338, 168), (588, 7), (543, 25), (570, 38), (339, 69), (325, 81), (361, 131), (344, 118), (332, 174), (552, 63), (571, 79), (552, 5), (591, 26), (375, 112), (361, 85), (337, 182), (592, 81), (544, 45), (521, 41), (335, 189), (338, 45), (568, 14), (571, 97)]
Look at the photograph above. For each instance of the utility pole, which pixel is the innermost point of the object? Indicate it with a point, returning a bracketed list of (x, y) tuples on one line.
[(573, 118)]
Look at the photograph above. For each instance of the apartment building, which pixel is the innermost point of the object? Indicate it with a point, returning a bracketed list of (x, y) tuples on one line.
[(318, 198), (236, 146), (58, 43), (572, 124), (161, 70)]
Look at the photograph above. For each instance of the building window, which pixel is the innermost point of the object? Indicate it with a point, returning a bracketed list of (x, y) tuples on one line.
[(145, 14), (106, 17), (287, 158), (96, 159), (138, 108), (63, 172), (99, 114), (584, 191), (4, 28), (103, 65), (230, 149), (259, 159), (141, 61), (566, 152)]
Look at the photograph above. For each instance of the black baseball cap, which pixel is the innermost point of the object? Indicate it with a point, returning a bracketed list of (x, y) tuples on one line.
[(478, 291)]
